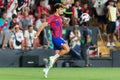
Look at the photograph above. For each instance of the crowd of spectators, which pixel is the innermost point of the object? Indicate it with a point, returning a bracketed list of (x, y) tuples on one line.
[(21, 19)]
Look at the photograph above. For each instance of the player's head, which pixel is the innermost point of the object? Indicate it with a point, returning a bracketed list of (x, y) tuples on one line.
[(58, 8)]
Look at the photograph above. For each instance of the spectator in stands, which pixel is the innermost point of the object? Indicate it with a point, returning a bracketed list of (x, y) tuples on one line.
[(21, 4), (117, 32), (100, 14), (75, 44), (30, 38), (75, 37), (75, 11), (4, 24), (68, 10), (11, 8), (1, 3), (112, 11), (118, 4), (42, 9), (84, 9), (25, 21), (29, 15), (118, 7), (31, 6), (25, 9), (8, 36), (42, 37), (85, 44), (13, 22), (66, 21), (50, 43), (17, 39)]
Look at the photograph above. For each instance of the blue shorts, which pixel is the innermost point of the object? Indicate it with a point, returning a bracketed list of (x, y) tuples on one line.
[(58, 42)]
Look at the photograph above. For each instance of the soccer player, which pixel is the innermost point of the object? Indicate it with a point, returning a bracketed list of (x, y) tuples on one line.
[(60, 46)]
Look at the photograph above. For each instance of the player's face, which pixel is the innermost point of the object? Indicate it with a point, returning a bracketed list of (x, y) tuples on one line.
[(60, 11)]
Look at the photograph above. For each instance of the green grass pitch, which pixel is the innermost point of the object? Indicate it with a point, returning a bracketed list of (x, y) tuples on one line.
[(60, 74)]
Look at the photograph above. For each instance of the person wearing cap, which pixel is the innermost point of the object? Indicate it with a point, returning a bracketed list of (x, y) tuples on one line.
[(17, 38), (4, 29)]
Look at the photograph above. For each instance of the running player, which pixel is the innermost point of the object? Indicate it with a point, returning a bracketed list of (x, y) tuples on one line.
[(60, 46)]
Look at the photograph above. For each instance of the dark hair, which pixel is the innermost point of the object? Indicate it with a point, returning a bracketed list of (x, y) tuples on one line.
[(30, 26), (42, 0), (84, 23), (4, 12), (76, 0), (118, 17), (10, 27), (14, 16), (57, 6), (111, 1), (85, 3)]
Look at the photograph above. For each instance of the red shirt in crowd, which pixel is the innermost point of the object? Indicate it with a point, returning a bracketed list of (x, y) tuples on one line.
[(41, 10), (85, 10), (1, 2)]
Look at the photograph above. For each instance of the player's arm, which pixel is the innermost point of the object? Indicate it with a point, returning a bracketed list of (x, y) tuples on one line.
[(41, 28)]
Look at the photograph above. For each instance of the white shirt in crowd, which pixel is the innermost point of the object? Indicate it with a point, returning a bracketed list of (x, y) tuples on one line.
[(75, 40), (9, 11), (30, 37), (112, 13), (76, 11), (99, 6), (38, 23), (19, 37)]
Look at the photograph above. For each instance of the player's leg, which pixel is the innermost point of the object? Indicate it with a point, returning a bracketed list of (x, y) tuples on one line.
[(65, 49), (52, 60), (60, 48)]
